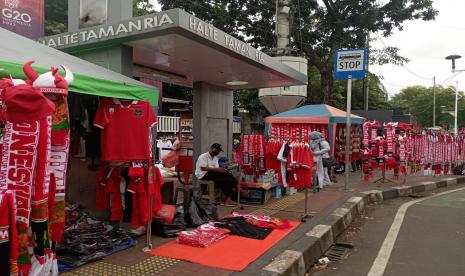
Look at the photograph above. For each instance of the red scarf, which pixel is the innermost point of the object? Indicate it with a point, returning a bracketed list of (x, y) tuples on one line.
[(19, 157), (8, 232), (58, 165)]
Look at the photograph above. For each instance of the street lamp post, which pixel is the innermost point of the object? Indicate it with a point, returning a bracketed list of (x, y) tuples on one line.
[(453, 58)]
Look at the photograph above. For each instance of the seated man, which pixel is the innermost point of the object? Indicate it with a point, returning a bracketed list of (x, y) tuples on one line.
[(207, 168)]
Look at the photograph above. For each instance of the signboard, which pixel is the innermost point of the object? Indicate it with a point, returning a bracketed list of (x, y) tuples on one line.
[(350, 64), (92, 13), (24, 17), (126, 28)]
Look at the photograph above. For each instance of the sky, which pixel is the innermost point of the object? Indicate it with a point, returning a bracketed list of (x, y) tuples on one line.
[(426, 44)]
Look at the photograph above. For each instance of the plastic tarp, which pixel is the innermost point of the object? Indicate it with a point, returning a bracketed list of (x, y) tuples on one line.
[(89, 78)]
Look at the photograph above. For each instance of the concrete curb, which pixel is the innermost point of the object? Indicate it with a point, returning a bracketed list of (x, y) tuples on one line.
[(301, 255)]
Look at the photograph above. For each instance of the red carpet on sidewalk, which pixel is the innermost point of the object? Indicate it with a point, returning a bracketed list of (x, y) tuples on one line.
[(232, 253)]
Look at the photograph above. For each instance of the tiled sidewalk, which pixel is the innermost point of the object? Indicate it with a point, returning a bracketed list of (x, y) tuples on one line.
[(134, 261)]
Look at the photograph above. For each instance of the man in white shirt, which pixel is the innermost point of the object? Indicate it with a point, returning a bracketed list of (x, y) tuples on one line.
[(164, 148), (207, 168)]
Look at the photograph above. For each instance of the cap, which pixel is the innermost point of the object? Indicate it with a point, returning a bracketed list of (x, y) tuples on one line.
[(216, 146), (24, 103)]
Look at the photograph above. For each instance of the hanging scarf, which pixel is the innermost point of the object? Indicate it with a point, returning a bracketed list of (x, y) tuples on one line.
[(261, 153), (366, 164), (8, 233), (250, 150), (245, 147), (20, 144), (373, 145), (390, 131), (403, 154), (58, 165), (24, 162), (39, 203)]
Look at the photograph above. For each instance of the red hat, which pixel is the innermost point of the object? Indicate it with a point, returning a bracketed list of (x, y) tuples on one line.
[(50, 82), (24, 103)]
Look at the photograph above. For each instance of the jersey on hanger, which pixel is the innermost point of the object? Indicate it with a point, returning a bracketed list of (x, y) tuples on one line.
[(125, 135)]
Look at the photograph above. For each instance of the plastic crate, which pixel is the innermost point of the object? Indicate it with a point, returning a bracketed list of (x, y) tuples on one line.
[(255, 195)]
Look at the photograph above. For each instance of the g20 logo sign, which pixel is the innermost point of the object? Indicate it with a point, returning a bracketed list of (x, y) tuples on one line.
[(11, 12)]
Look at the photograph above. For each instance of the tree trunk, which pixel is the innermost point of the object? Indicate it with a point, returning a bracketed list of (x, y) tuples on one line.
[(327, 79), (326, 84)]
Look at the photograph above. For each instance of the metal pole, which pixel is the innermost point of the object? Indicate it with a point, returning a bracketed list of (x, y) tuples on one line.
[(348, 124), (276, 25), (367, 78), (434, 102), (456, 106), (148, 235)]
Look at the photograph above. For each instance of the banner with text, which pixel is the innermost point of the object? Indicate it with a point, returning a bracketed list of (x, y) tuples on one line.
[(24, 17)]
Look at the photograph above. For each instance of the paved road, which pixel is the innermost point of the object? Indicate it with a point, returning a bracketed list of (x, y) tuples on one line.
[(404, 237)]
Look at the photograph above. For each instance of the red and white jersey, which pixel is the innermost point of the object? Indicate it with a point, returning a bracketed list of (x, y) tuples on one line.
[(126, 127)]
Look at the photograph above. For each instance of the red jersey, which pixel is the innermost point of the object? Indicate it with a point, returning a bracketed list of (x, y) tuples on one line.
[(126, 128)]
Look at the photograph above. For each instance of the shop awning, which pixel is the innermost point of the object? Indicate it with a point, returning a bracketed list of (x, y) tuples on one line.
[(313, 114), (89, 78)]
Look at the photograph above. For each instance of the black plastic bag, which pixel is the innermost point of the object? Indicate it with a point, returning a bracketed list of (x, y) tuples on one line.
[(196, 214), (211, 210), (329, 162), (169, 230)]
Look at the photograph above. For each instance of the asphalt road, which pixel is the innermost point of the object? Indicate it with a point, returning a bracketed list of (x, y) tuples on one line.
[(403, 237)]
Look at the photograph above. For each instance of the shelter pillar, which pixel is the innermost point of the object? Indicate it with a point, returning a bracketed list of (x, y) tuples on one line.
[(213, 118)]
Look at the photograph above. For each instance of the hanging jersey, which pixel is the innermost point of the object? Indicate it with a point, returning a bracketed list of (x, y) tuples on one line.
[(126, 127)]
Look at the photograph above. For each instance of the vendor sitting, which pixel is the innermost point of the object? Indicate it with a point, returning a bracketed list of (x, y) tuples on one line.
[(207, 168)]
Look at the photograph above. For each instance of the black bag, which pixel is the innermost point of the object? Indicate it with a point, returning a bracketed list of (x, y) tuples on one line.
[(329, 162), (169, 230), (210, 209), (196, 214)]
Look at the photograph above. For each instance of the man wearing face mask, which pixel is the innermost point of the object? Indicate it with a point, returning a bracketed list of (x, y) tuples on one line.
[(207, 168)]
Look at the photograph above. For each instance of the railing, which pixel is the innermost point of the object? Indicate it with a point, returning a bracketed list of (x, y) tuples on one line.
[(236, 127), (170, 124)]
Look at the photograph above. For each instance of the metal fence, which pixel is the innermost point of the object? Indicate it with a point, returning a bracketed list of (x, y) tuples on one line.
[(170, 124)]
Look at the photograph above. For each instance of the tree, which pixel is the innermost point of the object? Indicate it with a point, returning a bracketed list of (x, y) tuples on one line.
[(141, 7), (56, 17), (319, 27), (249, 101), (419, 101), (377, 92)]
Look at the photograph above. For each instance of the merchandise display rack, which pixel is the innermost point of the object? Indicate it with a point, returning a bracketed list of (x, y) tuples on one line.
[(383, 179), (305, 214)]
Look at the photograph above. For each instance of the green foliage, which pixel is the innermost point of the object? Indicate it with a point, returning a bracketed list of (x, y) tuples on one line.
[(419, 101), (378, 96), (141, 7), (56, 17), (319, 28), (248, 100)]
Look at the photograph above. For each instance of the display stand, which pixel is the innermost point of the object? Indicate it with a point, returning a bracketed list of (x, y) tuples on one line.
[(305, 214), (383, 178), (148, 237)]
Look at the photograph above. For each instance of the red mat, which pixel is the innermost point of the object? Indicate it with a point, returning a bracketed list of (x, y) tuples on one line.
[(232, 253)]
